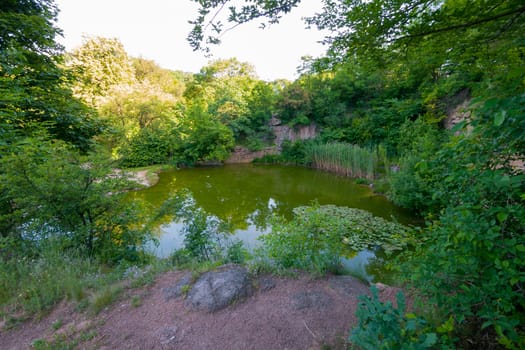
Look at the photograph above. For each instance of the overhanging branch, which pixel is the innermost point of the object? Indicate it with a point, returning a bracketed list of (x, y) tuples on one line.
[(518, 11)]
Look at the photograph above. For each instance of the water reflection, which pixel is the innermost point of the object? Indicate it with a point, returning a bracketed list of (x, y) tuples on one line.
[(358, 264), (246, 196)]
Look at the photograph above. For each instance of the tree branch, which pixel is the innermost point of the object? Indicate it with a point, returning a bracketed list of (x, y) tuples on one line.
[(519, 11)]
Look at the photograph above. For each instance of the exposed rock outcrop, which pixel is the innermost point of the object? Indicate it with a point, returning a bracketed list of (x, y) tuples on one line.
[(244, 155), (281, 132), (286, 133), (457, 110)]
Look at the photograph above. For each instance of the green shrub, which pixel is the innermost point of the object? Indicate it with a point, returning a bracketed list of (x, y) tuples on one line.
[(412, 186), (469, 261), (73, 198), (151, 145), (203, 235), (381, 326), (236, 253), (409, 187), (295, 152)]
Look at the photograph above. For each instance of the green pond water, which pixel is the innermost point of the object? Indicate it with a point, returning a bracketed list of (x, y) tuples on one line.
[(245, 196)]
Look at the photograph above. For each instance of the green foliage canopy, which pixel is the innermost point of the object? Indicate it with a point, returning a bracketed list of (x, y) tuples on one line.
[(36, 92), (99, 64)]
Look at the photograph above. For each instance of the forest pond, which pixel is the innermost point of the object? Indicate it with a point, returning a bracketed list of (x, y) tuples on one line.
[(246, 196)]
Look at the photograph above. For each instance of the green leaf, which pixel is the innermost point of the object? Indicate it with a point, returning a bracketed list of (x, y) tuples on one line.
[(431, 339), (422, 165), (499, 118), (502, 216), (447, 327), (486, 324)]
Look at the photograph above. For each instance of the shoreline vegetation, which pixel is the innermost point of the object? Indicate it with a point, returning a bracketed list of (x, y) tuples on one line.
[(345, 159)]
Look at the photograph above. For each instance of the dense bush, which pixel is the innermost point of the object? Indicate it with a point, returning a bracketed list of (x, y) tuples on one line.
[(383, 326), (469, 260), (412, 185), (204, 137), (151, 145)]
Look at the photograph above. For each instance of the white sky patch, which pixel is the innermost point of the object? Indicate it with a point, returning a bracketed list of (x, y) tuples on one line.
[(157, 30)]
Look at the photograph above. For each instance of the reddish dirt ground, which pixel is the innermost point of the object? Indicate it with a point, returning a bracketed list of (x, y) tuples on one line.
[(297, 313)]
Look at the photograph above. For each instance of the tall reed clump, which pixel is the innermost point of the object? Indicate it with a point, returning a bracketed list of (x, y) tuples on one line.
[(345, 159)]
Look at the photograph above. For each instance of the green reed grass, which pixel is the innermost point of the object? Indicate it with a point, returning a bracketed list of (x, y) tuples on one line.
[(345, 159)]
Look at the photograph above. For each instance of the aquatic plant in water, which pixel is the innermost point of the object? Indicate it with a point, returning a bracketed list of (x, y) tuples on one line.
[(356, 228), (318, 236)]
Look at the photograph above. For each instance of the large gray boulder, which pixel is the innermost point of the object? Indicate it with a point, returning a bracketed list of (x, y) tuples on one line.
[(215, 290)]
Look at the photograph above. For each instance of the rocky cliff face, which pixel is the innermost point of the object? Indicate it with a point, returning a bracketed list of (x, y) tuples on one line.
[(244, 155), (457, 109), (285, 133), (282, 132)]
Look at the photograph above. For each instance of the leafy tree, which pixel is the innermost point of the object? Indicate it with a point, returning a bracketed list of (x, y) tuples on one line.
[(377, 24), (155, 144), (100, 64), (231, 93), (294, 104), (203, 137), (224, 86), (140, 101), (58, 193), (252, 128), (147, 71), (138, 106), (35, 91)]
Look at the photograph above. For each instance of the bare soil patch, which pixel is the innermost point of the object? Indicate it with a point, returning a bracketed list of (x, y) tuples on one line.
[(282, 313)]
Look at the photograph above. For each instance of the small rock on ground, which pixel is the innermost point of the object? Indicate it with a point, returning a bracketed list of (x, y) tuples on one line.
[(215, 290)]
